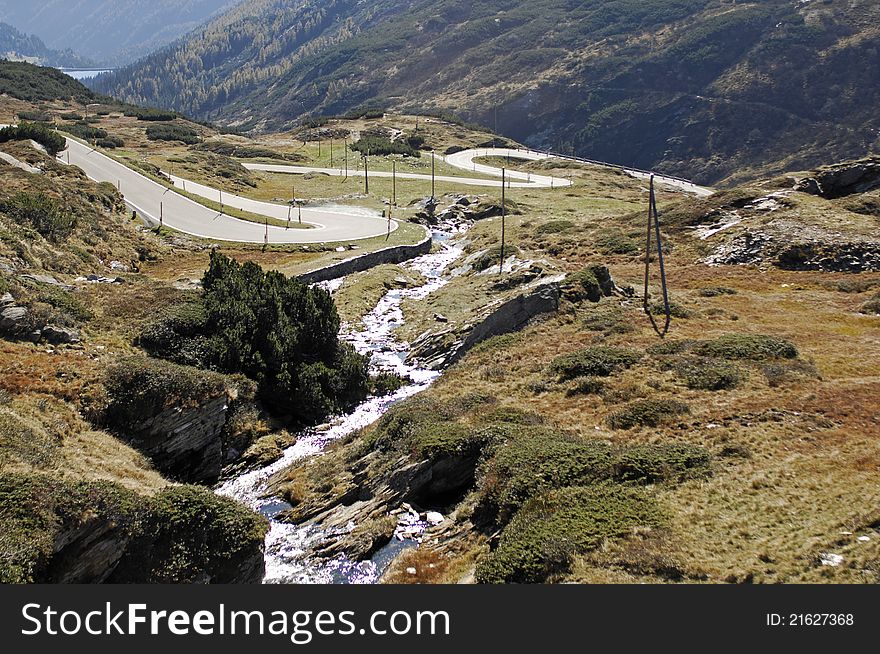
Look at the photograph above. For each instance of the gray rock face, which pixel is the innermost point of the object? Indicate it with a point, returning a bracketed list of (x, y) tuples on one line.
[(13, 320), (440, 349), (6, 300), (843, 179), (185, 444), (87, 554)]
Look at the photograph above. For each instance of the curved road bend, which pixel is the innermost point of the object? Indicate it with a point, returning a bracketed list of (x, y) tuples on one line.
[(185, 215), (465, 161)]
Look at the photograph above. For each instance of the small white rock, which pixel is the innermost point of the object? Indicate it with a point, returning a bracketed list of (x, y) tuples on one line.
[(864, 539), (829, 558), (433, 518), (411, 571)]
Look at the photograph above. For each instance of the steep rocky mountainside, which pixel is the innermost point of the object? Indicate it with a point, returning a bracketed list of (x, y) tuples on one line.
[(709, 89), (112, 32), (16, 46)]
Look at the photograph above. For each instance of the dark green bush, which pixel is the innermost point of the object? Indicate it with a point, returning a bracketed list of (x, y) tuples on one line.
[(148, 114), (535, 459), (84, 131), (554, 527), (608, 319), (192, 535), (651, 464), (42, 213), (380, 146), (386, 383), (49, 139), (582, 285), (180, 133), (34, 116), (597, 361), (110, 142), (748, 346), (139, 388), (614, 241), (647, 413), (180, 334)]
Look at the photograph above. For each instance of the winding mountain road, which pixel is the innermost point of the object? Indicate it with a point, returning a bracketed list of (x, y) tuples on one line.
[(515, 179), (152, 200)]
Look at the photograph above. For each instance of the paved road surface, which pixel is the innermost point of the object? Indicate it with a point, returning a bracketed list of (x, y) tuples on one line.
[(186, 215)]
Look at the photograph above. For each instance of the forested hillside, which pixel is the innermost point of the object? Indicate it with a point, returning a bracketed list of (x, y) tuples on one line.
[(112, 32), (704, 88), (16, 46)]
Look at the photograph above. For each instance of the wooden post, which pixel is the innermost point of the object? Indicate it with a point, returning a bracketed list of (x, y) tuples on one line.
[(161, 217), (394, 183), (433, 193), (366, 175)]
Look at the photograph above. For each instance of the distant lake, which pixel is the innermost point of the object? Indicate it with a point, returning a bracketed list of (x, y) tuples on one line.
[(84, 74)]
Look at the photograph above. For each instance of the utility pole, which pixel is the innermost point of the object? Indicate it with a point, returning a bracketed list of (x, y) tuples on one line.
[(299, 213), (433, 194), (366, 175), (319, 148), (503, 216), (289, 209), (266, 234), (388, 235), (345, 148), (331, 153), (221, 200), (394, 182), (161, 216)]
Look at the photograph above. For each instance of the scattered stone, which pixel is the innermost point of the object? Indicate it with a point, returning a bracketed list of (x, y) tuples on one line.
[(119, 266), (864, 539), (411, 571), (830, 559), (42, 279), (7, 300), (341, 248), (439, 317)]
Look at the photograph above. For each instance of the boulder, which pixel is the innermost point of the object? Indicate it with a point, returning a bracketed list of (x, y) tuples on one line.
[(57, 335), (13, 319)]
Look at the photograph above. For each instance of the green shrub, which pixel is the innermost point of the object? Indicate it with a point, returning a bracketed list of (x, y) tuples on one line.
[(386, 383), (110, 142), (706, 373), (42, 213), (748, 346), (84, 131), (651, 464), (672, 347), (139, 388), (647, 413), (783, 371), (179, 335), (49, 139), (380, 146), (148, 114), (597, 361), (608, 319), (582, 285), (535, 459), (676, 310), (70, 115), (34, 116), (66, 302), (192, 535), (614, 241), (558, 525), (180, 133), (555, 227)]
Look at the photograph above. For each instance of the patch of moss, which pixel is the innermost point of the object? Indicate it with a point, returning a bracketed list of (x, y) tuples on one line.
[(582, 285), (608, 319), (715, 291), (553, 528), (647, 413), (597, 361), (748, 346), (615, 241), (586, 386)]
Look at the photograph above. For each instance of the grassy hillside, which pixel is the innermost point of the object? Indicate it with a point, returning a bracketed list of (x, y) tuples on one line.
[(709, 89)]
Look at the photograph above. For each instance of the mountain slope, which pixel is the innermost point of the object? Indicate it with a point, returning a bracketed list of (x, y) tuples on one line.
[(702, 88), (17, 46), (113, 32)]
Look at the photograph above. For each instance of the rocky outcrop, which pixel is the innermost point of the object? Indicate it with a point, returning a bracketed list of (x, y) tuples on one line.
[(185, 444), (437, 350), (843, 179), (87, 553)]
